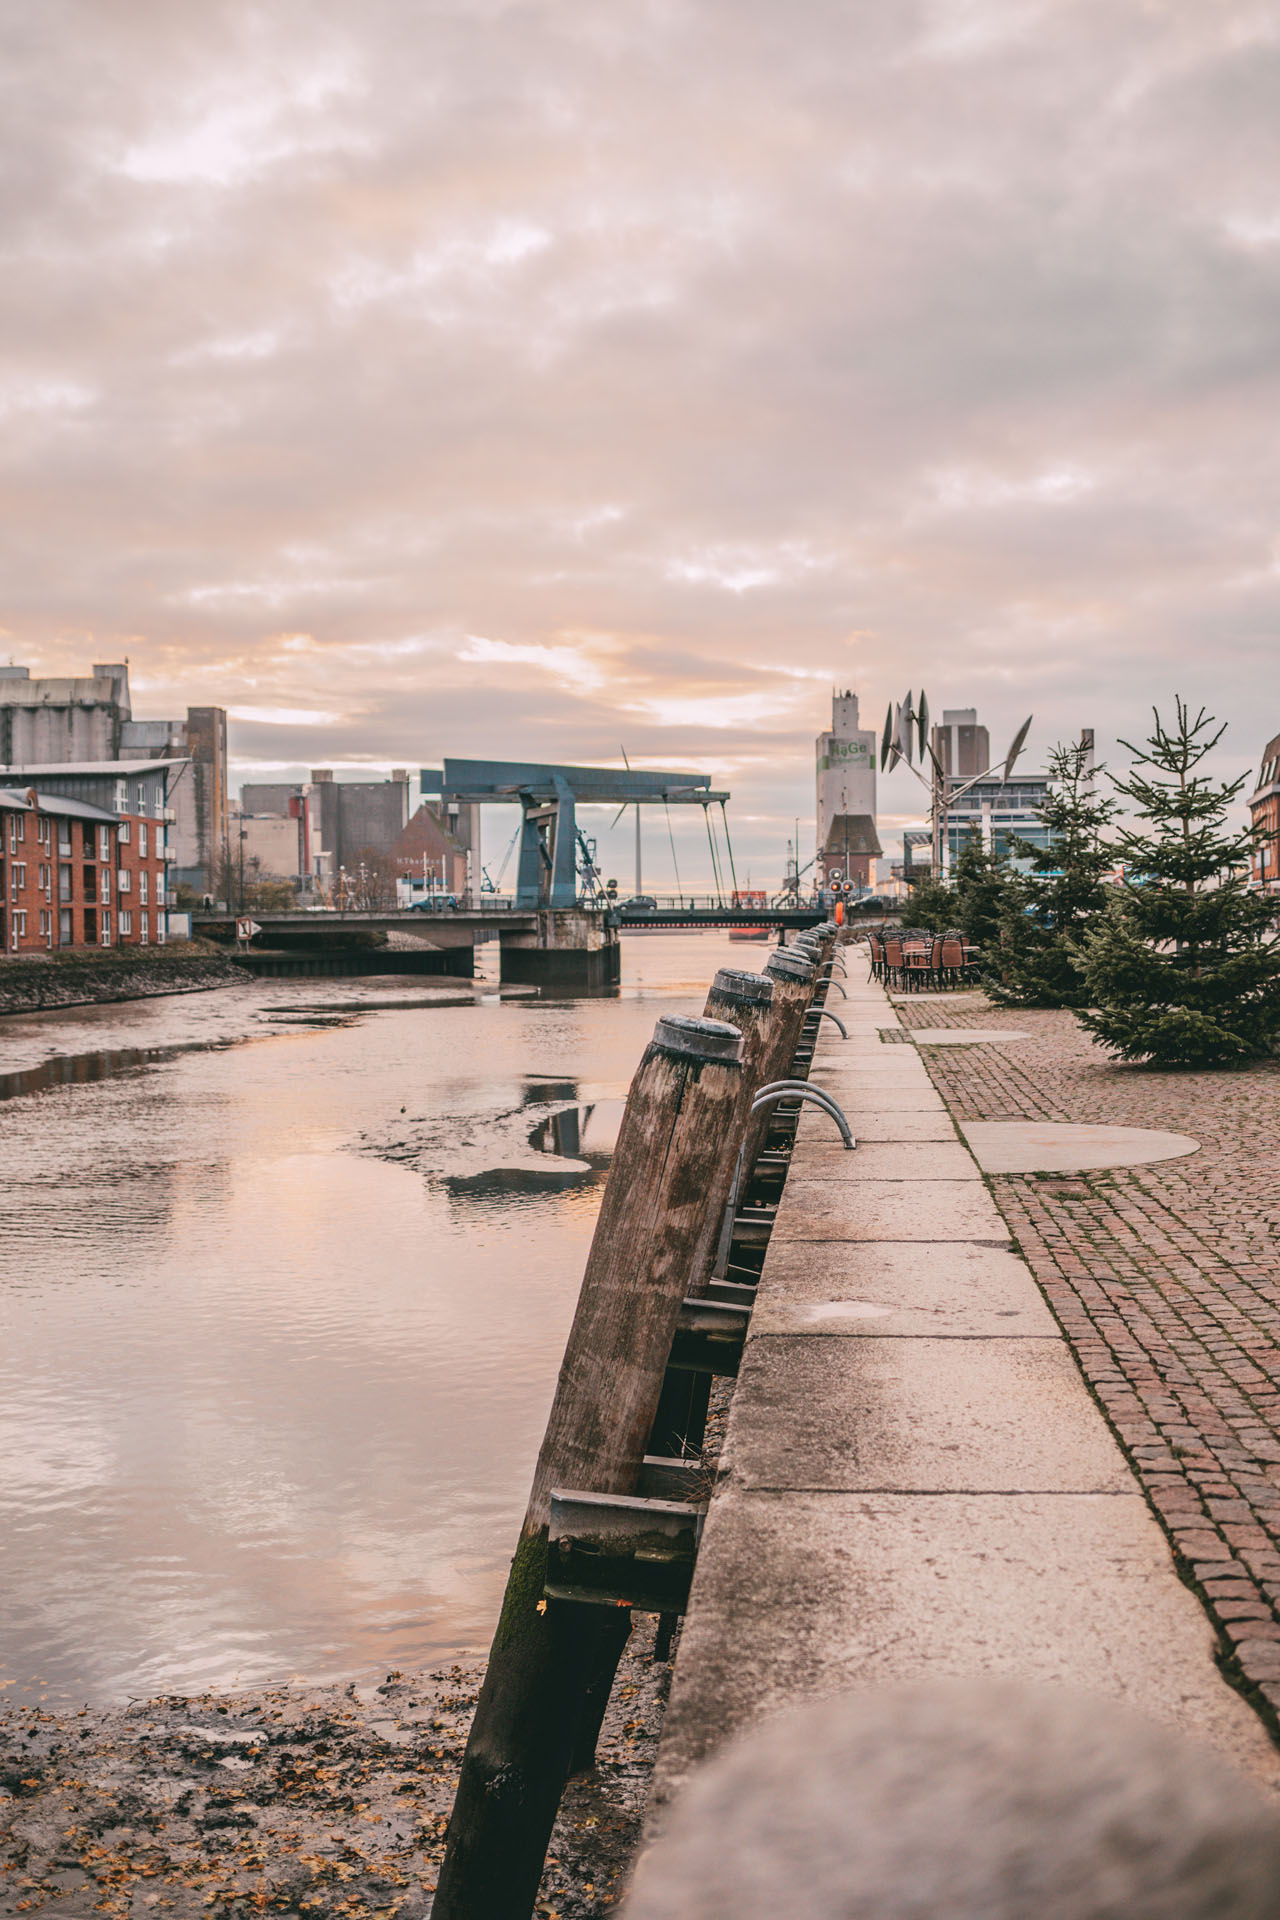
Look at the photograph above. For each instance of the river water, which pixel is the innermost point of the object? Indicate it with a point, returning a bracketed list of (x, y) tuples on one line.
[(284, 1286)]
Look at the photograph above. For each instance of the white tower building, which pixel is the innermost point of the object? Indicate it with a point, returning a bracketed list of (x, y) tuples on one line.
[(846, 800)]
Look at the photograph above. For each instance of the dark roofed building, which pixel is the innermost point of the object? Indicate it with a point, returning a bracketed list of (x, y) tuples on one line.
[(851, 845), (426, 850)]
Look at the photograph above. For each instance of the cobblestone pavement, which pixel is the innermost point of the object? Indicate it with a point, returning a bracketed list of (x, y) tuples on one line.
[(1166, 1281)]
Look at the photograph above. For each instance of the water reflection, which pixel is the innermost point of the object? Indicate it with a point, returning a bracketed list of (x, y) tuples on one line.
[(585, 1133), (280, 1322)]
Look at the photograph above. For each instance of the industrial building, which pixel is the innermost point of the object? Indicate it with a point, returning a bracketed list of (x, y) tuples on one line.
[(848, 843), (89, 720), (1264, 807)]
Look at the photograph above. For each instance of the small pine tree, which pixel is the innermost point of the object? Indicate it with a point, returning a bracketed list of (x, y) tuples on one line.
[(982, 883), (931, 904), (1052, 904), (1184, 970)]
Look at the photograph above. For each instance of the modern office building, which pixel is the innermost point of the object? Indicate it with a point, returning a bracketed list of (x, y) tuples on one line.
[(995, 811), (848, 843)]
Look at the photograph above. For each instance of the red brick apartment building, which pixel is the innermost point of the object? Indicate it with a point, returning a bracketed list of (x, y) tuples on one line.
[(74, 875), (1264, 805)]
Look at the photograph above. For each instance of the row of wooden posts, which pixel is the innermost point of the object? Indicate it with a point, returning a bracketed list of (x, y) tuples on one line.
[(630, 1407)]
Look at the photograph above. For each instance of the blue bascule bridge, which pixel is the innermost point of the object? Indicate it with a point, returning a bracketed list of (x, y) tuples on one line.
[(548, 797)]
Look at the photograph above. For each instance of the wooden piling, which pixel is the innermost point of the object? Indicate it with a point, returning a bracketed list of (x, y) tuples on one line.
[(745, 1000), (547, 1654)]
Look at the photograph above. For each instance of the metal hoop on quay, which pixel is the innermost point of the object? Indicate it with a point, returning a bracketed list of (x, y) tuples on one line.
[(803, 1090), (825, 1013)]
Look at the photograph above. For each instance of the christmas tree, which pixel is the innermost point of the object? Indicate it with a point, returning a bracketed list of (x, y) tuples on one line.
[(930, 904), (1184, 968), (982, 882), (1062, 891)]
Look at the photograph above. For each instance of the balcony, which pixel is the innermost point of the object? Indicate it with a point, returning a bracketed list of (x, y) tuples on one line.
[(169, 855), (167, 814)]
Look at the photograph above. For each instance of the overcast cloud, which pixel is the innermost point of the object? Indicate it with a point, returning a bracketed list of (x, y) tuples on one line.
[(533, 379)]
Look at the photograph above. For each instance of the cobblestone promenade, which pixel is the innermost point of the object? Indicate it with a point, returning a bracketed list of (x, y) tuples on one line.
[(1166, 1280)]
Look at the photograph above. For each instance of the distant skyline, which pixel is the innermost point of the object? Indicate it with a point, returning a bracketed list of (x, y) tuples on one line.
[(516, 378)]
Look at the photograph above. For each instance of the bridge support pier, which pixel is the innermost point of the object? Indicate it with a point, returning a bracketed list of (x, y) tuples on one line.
[(571, 948)]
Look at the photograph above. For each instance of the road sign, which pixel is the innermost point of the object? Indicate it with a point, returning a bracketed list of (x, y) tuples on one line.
[(245, 929)]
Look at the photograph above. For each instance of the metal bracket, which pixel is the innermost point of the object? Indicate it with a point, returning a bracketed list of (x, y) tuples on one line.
[(710, 1334), (619, 1550)]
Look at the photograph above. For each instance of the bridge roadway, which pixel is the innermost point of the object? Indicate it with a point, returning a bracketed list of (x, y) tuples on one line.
[(468, 921)]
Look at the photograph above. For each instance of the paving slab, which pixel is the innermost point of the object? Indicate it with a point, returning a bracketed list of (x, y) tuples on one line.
[(920, 1415), (933, 1159), (799, 1595), (858, 1096), (863, 1289), (1050, 1146), (933, 1211), (875, 1124)]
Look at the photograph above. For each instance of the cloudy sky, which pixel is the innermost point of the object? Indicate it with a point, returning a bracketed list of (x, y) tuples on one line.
[(534, 379)]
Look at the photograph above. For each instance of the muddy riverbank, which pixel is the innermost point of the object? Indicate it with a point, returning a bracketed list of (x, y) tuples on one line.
[(42, 983), (312, 1801)]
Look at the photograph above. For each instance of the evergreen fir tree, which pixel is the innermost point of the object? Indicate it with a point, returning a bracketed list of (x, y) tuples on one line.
[(931, 904), (982, 883), (1052, 904), (1184, 969)]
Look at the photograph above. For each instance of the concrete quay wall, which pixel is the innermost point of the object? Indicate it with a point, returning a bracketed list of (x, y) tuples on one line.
[(916, 1481)]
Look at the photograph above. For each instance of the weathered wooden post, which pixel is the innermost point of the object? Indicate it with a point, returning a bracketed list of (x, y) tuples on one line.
[(746, 1000), (792, 973), (681, 1108)]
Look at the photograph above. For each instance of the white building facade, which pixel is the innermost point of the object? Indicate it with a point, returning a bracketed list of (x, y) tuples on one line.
[(846, 796)]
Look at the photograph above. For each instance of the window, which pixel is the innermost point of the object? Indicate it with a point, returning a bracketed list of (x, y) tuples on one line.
[(124, 880), (143, 878), (104, 886), (124, 832), (19, 925), (104, 843), (44, 830), (90, 841), (104, 937), (91, 926), (126, 921), (19, 882), (142, 798), (145, 928), (46, 926), (43, 880), (142, 838), (64, 883), (64, 926), (17, 829), (64, 838)]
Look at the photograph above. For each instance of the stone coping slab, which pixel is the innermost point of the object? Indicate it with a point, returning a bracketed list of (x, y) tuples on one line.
[(858, 1095), (933, 1211), (936, 1159), (920, 1415), (874, 1124), (1051, 1146), (799, 1595), (864, 1289)]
